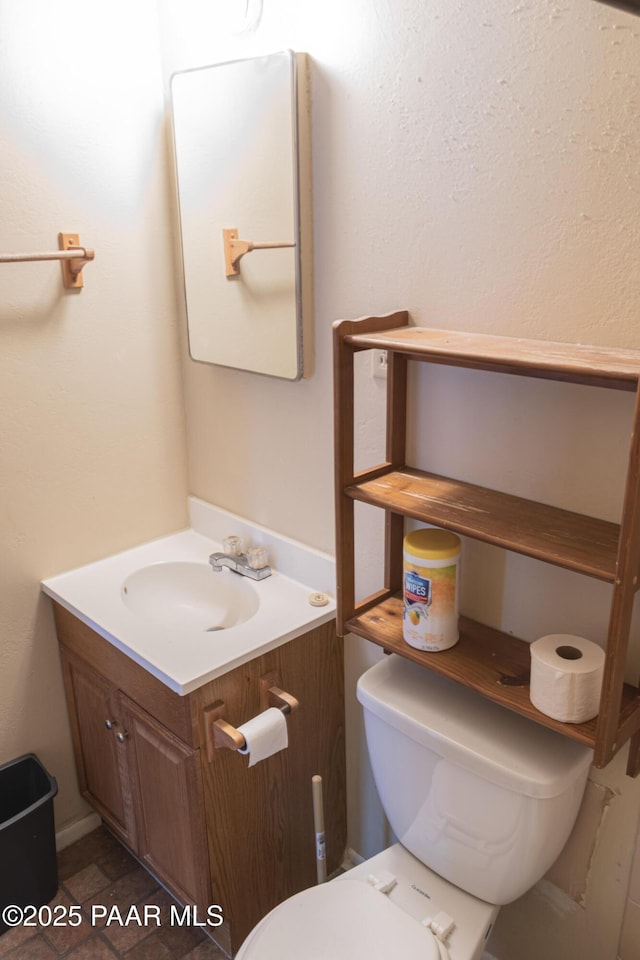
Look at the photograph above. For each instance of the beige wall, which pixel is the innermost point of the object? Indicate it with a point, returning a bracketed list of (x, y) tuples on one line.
[(478, 165), (91, 420), (475, 165)]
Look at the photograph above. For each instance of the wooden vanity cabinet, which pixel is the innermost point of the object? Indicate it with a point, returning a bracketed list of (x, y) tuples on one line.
[(143, 780), (101, 760), (166, 786), (212, 829)]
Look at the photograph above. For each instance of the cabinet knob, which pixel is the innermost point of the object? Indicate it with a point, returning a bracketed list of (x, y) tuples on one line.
[(122, 736), (110, 724)]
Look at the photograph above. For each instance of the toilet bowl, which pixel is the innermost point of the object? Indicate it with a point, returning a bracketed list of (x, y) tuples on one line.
[(481, 801), (378, 910)]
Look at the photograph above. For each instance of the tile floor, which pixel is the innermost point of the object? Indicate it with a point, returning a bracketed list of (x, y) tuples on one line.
[(97, 870)]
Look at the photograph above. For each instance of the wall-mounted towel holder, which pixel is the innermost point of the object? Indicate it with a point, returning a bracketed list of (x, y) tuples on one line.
[(221, 735), (235, 249), (71, 255)]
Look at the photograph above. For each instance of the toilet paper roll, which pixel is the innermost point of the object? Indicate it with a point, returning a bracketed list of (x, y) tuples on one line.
[(566, 677), (264, 735)]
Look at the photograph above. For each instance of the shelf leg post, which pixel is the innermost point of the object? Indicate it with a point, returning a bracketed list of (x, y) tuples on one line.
[(633, 761), (625, 587), (343, 374), (396, 454)]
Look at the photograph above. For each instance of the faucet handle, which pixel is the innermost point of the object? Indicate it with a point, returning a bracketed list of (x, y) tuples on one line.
[(233, 545), (257, 557)]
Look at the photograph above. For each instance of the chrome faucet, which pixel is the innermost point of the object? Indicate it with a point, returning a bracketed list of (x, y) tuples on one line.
[(239, 563)]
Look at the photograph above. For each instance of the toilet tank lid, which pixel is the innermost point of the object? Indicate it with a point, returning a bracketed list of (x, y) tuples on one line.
[(466, 728)]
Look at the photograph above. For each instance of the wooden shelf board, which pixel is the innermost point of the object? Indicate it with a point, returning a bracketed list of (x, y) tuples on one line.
[(612, 367), (493, 663), (582, 544)]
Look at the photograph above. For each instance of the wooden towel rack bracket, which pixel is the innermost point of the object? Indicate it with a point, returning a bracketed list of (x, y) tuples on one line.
[(70, 253), (235, 249)]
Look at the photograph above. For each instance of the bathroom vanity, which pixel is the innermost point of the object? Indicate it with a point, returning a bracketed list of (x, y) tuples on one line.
[(213, 829)]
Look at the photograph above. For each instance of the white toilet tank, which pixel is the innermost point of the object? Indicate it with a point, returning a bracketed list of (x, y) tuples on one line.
[(484, 797)]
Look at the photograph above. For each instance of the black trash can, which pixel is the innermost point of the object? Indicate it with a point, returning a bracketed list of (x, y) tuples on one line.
[(28, 864)]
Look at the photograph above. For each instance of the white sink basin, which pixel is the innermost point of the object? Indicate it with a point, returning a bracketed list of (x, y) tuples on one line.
[(184, 623), (189, 596)]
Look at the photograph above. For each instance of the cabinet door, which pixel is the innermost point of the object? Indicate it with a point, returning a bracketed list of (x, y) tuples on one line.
[(167, 792), (101, 758)]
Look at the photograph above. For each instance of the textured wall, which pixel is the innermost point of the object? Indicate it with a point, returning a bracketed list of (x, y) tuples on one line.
[(476, 163), (91, 420)]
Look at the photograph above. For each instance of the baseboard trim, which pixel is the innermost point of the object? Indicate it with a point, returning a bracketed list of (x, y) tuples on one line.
[(74, 831)]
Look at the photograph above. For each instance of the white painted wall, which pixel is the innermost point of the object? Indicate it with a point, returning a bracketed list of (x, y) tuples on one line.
[(478, 165), (92, 455)]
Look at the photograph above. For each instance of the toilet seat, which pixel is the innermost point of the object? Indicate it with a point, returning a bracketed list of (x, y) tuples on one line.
[(339, 921)]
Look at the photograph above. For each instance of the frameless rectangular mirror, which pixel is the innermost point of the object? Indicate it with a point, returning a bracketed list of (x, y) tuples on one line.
[(242, 153)]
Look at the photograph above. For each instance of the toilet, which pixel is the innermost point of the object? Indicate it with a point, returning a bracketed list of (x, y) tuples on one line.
[(481, 802)]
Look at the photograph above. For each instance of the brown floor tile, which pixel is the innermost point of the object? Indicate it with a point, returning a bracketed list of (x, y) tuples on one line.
[(62, 938), (124, 937), (180, 940), (206, 951), (124, 893), (73, 859), (163, 900), (93, 949), (100, 848), (137, 926), (86, 883), (151, 949), (16, 937), (116, 862), (34, 949)]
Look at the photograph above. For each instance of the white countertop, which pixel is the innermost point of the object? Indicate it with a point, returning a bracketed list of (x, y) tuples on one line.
[(185, 660)]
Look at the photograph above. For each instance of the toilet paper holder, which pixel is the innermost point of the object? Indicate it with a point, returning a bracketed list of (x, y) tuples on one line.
[(221, 735)]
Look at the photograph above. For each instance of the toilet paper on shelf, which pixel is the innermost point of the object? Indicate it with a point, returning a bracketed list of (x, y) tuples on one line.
[(566, 677), (264, 735)]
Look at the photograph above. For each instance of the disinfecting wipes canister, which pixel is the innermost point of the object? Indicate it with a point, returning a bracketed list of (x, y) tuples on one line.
[(431, 576)]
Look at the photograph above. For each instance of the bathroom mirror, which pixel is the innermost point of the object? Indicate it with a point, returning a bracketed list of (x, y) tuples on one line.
[(241, 137)]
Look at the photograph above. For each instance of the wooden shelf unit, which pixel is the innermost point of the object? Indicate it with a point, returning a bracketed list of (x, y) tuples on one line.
[(493, 663)]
